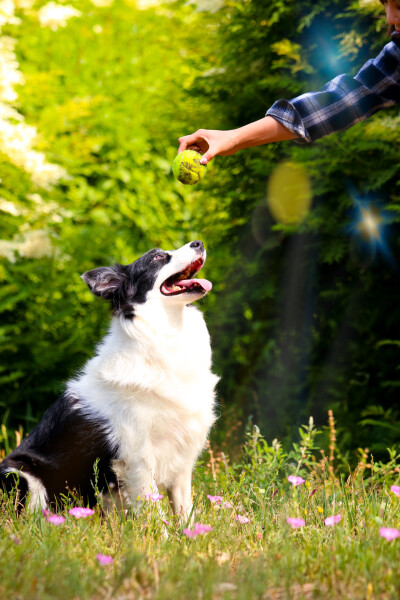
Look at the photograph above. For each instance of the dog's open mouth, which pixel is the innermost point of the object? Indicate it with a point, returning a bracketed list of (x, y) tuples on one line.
[(182, 282)]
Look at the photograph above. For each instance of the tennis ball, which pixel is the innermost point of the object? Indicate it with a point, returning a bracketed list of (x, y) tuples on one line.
[(187, 168)]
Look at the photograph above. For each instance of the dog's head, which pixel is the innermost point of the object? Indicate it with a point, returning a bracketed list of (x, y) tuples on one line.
[(158, 274)]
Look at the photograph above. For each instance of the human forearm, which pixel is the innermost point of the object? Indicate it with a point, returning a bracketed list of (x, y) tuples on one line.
[(263, 131), (211, 142)]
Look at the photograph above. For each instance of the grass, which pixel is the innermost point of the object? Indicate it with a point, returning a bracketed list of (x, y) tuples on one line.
[(264, 558)]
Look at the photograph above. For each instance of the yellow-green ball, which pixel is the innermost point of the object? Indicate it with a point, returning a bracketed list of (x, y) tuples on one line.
[(187, 168)]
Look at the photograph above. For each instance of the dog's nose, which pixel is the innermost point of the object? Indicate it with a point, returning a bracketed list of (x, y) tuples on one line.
[(197, 245)]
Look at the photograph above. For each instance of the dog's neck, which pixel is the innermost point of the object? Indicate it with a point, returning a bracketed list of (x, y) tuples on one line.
[(167, 316), (156, 319)]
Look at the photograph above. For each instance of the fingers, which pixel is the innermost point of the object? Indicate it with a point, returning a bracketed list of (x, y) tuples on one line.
[(202, 141), (187, 140), (194, 147)]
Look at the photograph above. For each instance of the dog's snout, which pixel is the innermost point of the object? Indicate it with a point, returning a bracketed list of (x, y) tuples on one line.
[(197, 245)]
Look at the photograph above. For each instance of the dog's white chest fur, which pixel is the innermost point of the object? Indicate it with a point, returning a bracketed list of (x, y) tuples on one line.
[(152, 380)]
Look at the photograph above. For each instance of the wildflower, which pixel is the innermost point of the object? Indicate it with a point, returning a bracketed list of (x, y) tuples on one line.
[(78, 512), (295, 480), (55, 519), (217, 499), (226, 505), (275, 493), (15, 539), (104, 559), (313, 492), (389, 533), (201, 529), (17, 141), (396, 490), (35, 244), (55, 15), (154, 497), (259, 536), (293, 522), (102, 3), (198, 529), (242, 520), (165, 522), (332, 520), (46, 513), (320, 509), (190, 533)]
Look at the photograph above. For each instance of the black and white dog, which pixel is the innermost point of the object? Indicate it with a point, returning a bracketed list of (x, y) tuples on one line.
[(143, 406)]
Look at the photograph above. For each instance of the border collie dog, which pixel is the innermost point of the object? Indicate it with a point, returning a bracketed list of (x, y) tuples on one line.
[(143, 406)]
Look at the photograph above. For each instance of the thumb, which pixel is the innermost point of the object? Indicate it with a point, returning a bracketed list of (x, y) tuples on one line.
[(207, 156)]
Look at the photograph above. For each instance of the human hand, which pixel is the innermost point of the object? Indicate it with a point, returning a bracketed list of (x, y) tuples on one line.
[(210, 143)]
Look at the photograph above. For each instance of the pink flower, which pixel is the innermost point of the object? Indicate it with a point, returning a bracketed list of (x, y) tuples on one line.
[(295, 480), (201, 529), (332, 520), (217, 499), (389, 533), (154, 497), (226, 505), (313, 492), (55, 519), (46, 513), (396, 490), (190, 533), (259, 536), (274, 494), (293, 522), (80, 513), (242, 520), (165, 522), (198, 529), (15, 539), (104, 559)]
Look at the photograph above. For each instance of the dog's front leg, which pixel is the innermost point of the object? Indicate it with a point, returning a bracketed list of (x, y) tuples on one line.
[(138, 482), (180, 494)]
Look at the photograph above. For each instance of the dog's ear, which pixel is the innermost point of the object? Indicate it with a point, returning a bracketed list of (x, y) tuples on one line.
[(105, 281)]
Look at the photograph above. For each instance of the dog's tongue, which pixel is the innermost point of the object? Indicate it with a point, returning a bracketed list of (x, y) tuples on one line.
[(204, 283)]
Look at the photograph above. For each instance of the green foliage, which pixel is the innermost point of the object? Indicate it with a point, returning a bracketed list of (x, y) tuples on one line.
[(298, 314), (108, 95), (305, 306)]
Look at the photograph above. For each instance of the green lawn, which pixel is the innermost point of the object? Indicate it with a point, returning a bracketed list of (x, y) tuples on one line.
[(263, 558)]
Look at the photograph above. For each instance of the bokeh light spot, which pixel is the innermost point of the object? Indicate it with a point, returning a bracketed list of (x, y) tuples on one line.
[(369, 223), (289, 193)]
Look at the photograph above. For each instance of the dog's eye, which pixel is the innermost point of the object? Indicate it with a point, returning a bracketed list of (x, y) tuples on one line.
[(159, 257)]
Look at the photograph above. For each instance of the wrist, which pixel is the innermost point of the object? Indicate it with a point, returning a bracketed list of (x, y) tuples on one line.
[(234, 140)]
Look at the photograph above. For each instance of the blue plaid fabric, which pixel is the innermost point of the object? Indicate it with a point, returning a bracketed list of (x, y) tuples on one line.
[(345, 100)]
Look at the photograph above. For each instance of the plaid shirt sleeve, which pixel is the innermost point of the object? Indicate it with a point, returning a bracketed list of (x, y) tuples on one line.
[(345, 100)]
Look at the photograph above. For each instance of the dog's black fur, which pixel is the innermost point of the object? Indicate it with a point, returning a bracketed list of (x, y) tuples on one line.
[(61, 452)]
